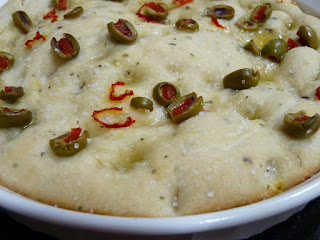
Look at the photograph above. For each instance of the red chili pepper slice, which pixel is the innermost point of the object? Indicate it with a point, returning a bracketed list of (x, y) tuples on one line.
[(122, 96), (74, 135), (63, 4), (4, 62), (65, 46), (13, 111), (154, 6), (183, 107), (318, 93), (52, 14), (129, 121), (168, 91), (260, 14), (215, 21), (182, 2), (122, 27), (292, 44), (37, 37)]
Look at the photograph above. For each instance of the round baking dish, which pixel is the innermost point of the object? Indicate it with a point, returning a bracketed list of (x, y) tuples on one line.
[(236, 223)]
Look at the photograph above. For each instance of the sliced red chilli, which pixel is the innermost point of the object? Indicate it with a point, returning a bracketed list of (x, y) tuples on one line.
[(215, 21), (101, 116), (120, 97), (37, 37), (51, 15)]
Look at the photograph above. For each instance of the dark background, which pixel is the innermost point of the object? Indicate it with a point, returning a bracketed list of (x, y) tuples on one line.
[(304, 225)]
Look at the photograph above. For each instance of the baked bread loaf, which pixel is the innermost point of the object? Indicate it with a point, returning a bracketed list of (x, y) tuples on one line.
[(157, 108)]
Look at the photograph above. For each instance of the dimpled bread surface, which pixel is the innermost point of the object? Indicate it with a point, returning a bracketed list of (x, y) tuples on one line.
[(232, 153)]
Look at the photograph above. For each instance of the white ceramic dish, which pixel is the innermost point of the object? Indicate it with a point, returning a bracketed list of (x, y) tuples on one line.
[(237, 223)]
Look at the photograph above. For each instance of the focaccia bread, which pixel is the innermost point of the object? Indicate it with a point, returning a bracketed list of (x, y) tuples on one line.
[(235, 141)]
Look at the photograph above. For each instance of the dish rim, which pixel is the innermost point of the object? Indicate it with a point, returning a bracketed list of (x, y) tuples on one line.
[(279, 204)]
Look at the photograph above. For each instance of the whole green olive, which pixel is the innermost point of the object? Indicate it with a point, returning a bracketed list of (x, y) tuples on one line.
[(165, 93), (157, 12), (242, 79), (299, 125), (65, 148), (122, 31), (248, 25), (14, 118), (187, 25), (6, 61), (62, 4), (22, 21), (261, 13), (275, 49), (185, 107), (221, 11), (142, 102), (251, 46), (11, 94), (74, 13), (308, 36), (67, 47)]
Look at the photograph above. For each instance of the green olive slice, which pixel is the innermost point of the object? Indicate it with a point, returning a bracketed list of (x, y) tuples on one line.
[(308, 36), (157, 13), (6, 61), (65, 148), (22, 21), (185, 107), (187, 25), (248, 25), (242, 79), (67, 47), (221, 11), (261, 13), (74, 13), (165, 93), (62, 4), (275, 49), (122, 31), (14, 118), (251, 46), (141, 102), (11, 94), (299, 125)]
